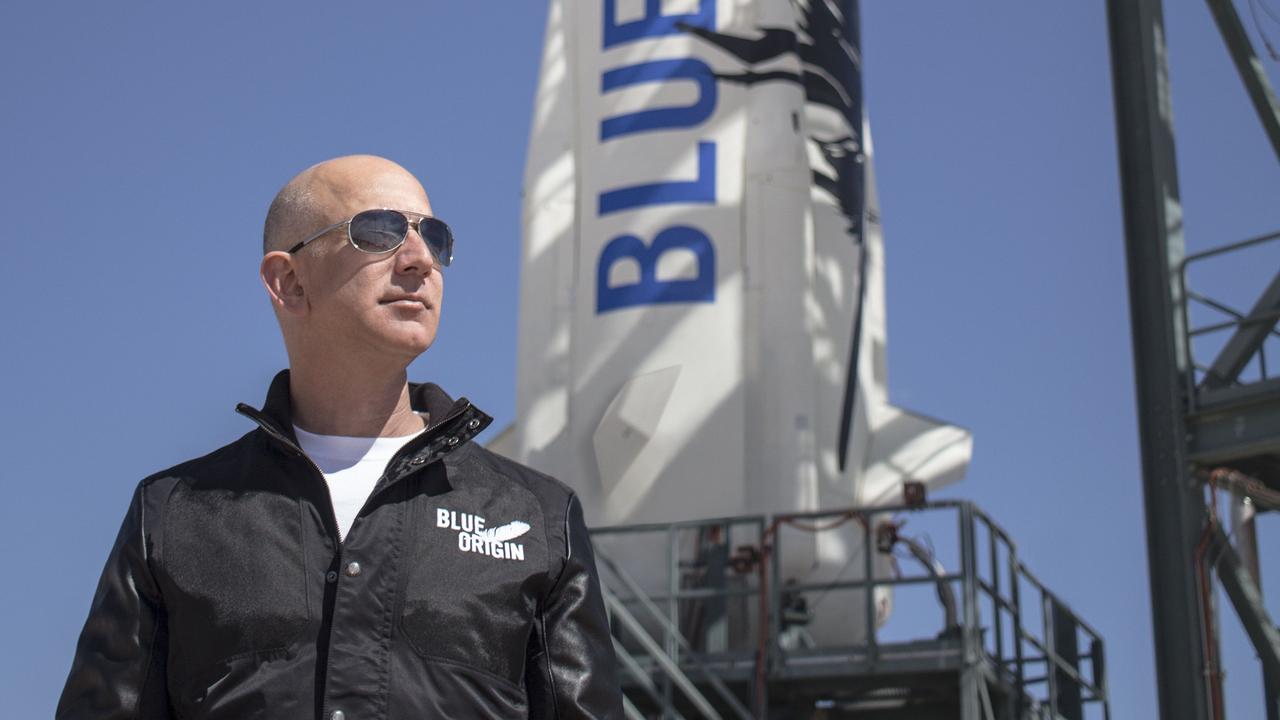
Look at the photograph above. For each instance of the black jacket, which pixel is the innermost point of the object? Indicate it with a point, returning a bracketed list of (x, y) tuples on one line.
[(466, 588)]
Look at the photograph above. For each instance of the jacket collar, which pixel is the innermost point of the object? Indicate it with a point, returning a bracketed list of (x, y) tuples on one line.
[(423, 397), (451, 422)]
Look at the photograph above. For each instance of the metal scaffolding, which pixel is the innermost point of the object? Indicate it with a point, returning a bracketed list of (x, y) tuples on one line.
[(1203, 425), (723, 633)]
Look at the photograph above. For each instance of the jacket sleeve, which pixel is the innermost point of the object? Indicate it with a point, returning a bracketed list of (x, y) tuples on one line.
[(572, 671), (118, 672)]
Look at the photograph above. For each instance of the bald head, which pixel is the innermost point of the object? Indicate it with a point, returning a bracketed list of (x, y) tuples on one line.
[(339, 307), (319, 195)]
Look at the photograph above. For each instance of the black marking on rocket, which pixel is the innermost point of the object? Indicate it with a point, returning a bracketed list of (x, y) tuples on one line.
[(851, 372), (832, 76)]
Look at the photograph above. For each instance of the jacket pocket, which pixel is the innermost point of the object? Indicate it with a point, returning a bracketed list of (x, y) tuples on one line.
[(237, 568), (263, 684), (466, 602), (444, 689)]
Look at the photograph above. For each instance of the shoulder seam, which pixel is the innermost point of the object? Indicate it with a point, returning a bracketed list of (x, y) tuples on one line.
[(568, 548)]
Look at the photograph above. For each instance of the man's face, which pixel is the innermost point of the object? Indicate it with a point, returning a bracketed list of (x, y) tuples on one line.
[(387, 305)]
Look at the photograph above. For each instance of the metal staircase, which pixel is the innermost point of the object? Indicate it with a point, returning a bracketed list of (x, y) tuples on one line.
[(673, 677)]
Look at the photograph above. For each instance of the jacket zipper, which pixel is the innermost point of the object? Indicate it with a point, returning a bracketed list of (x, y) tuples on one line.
[(413, 445), (280, 438)]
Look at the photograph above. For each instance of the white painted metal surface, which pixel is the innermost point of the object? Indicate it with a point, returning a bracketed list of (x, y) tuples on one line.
[(692, 295)]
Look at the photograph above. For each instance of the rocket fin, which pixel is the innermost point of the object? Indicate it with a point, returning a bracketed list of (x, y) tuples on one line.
[(890, 444), (908, 446)]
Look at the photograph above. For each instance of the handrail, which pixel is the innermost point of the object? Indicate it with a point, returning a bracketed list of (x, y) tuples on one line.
[(1238, 320), (630, 710), (990, 586), (664, 661), (632, 667), (1230, 247), (674, 633)]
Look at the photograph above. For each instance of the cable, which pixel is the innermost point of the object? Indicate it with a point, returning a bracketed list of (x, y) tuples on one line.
[(946, 597), (1250, 487)]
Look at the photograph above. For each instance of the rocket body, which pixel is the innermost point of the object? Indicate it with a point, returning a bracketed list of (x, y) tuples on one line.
[(702, 327)]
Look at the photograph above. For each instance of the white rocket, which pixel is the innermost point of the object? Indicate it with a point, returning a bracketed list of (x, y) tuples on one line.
[(702, 315)]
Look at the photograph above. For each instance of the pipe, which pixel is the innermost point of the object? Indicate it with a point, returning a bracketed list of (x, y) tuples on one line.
[(1212, 674), (946, 597), (1245, 531)]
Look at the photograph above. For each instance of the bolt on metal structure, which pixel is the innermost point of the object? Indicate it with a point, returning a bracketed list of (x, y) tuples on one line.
[(725, 634), (1203, 426)]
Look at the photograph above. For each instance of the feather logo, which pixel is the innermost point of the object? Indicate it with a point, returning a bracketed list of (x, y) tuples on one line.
[(503, 533)]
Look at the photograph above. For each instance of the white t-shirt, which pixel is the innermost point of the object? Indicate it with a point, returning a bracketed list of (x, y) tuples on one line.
[(351, 467)]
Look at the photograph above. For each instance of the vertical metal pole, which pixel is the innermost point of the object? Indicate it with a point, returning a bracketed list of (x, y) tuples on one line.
[(1099, 663), (969, 560), (1015, 596), (1174, 506), (868, 569), (1051, 652), (673, 615), (970, 673), (996, 607), (1066, 646), (774, 598)]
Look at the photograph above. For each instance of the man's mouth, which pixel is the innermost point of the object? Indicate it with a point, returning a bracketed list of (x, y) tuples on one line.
[(405, 301)]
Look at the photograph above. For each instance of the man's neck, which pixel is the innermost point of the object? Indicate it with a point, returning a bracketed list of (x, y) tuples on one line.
[(356, 402)]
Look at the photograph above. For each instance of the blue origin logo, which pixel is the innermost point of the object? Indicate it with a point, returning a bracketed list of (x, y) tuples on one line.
[(645, 252)]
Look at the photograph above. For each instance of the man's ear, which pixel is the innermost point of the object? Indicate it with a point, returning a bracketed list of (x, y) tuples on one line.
[(280, 277)]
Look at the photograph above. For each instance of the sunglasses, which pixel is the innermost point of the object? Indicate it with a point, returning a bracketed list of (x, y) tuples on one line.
[(382, 230)]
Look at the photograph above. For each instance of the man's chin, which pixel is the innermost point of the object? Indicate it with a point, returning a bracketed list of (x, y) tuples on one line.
[(402, 341), (416, 345), (410, 346)]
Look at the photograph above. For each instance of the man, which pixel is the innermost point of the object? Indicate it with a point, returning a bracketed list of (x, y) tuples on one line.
[(355, 556)]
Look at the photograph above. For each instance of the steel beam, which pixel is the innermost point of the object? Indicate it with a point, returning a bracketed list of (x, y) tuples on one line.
[(1244, 530), (1066, 646), (1235, 423), (1250, 70), (1247, 600), (1247, 339), (1174, 505)]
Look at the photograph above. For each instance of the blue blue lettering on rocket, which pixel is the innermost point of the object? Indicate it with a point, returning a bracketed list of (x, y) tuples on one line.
[(654, 23), (650, 290), (701, 190), (667, 118)]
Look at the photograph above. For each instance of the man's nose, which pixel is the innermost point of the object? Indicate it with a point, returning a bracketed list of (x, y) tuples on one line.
[(414, 256)]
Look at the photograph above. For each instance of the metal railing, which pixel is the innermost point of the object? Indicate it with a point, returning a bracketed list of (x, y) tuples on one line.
[(1012, 633), (1263, 318)]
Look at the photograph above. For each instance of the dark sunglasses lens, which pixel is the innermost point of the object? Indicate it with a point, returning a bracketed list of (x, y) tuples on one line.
[(378, 231), (439, 238)]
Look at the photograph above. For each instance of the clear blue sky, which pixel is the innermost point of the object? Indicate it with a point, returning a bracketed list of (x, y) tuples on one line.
[(142, 142)]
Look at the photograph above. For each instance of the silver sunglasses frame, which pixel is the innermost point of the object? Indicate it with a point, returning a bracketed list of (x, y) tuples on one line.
[(409, 215)]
